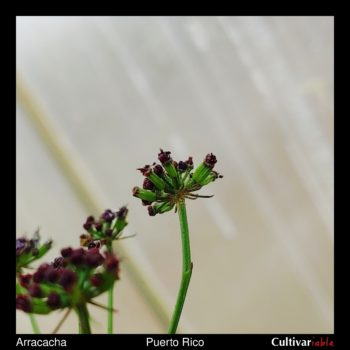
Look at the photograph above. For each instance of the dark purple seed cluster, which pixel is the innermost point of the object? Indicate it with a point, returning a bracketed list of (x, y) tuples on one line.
[(158, 169), (151, 211), (164, 157), (73, 264), (66, 252), (53, 300), (147, 184), (40, 274), (145, 171), (59, 262), (25, 280), (29, 250), (111, 264), (105, 229), (89, 222), (24, 245), (55, 285), (29, 246), (35, 291), (210, 160), (122, 213), (168, 183), (67, 279), (81, 257), (96, 280), (108, 216), (23, 303)]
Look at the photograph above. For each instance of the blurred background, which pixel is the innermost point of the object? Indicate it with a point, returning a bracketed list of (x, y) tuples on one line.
[(98, 96)]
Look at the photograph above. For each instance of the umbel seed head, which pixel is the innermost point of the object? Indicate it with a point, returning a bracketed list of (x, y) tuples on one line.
[(29, 250), (76, 277), (106, 229), (170, 183)]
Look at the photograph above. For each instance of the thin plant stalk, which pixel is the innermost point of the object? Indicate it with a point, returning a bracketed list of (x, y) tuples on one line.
[(57, 328), (83, 315), (110, 303), (34, 324), (110, 310), (186, 268)]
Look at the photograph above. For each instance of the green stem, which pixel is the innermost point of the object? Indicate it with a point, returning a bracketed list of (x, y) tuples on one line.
[(110, 310), (186, 268), (34, 324), (83, 314), (110, 302)]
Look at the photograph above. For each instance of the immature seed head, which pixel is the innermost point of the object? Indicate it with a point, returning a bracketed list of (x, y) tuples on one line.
[(40, 273), (158, 169), (90, 219), (35, 291), (108, 228), (189, 162), (53, 300), (111, 264), (67, 252), (93, 258), (164, 157), (96, 280), (148, 184), (135, 191), (23, 303), (108, 215), (210, 160), (87, 226), (59, 262), (172, 182), (77, 256), (20, 245), (51, 274), (151, 211), (67, 279), (145, 170), (122, 212), (98, 226), (24, 280), (29, 250), (182, 166)]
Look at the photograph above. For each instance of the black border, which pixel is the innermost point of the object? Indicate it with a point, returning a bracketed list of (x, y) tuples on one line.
[(212, 341)]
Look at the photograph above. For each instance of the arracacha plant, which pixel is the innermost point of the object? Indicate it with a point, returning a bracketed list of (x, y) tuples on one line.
[(71, 281), (28, 251), (167, 186), (75, 278), (103, 232)]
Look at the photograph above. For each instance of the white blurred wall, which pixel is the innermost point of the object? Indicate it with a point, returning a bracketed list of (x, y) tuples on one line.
[(255, 91)]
